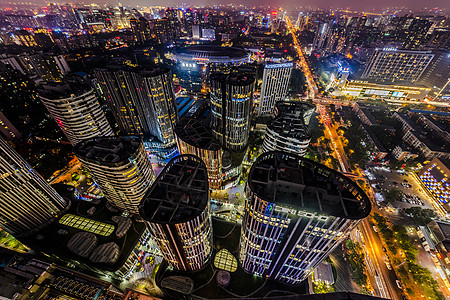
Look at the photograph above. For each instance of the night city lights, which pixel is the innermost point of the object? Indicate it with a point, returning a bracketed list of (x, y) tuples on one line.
[(206, 150)]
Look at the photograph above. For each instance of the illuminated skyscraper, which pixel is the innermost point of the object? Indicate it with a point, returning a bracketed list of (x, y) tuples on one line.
[(142, 101), (287, 133), (231, 106), (289, 130), (27, 202), (297, 212), (194, 138), (76, 110), (177, 212), (120, 166), (393, 65), (275, 85)]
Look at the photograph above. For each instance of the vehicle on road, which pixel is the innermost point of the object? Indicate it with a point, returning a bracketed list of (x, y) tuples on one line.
[(399, 284)]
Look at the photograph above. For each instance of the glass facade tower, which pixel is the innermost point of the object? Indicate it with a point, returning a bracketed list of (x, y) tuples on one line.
[(121, 168), (194, 138), (297, 211), (231, 106), (141, 100), (27, 202), (177, 212), (76, 110)]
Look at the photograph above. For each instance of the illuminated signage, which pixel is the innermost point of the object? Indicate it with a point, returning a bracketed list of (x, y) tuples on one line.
[(279, 66)]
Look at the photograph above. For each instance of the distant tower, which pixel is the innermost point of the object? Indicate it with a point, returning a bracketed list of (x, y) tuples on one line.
[(275, 85), (76, 110), (27, 202), (120, 166), (231, 106), (297, 212), (177, 212), (320, 37), (142, 101), (194, 138)]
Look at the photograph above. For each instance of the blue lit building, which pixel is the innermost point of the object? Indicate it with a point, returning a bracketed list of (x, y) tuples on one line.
[(435, 178), (296, 213)]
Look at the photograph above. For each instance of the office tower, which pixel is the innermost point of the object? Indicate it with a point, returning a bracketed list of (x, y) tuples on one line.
[(164, 30), (288, 132), (141, 29), (321, 36), (297, 211), (120, 166), (25, 38), (194, 138), (275, 85), (393, 65), (196, 32), (47, 67), (416, 33), (27, 202), (76, 110), (141, 100), (231, 105), (177, 212)]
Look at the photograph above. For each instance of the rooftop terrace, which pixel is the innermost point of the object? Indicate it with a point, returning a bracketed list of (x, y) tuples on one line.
[(194, 133), (110, 150), (179, 194), (297, 182)]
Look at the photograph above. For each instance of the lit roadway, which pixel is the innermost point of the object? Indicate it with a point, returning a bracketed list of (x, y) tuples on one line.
[(303, 63), (382, 279)]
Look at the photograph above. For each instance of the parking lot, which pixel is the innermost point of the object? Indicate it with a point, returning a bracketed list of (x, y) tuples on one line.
[(385, 180)]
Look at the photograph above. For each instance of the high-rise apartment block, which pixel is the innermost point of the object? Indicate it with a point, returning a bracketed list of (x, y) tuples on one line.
[(194, 138), (177, 212), (275, 85), (120, 166), (393, 65), (142, 101), (297, 212), (231, 106), (76, 110), (27, 202)]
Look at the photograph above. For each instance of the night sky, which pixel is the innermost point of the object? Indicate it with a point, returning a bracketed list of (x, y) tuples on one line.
[(287, 4), (354, 4)]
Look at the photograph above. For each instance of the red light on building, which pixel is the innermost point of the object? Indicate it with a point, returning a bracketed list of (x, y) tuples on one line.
[(274, 13)]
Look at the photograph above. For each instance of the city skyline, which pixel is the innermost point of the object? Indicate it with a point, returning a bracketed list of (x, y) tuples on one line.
[(224, 151)]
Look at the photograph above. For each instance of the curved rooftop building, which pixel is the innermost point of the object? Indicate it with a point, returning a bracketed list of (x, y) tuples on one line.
[(76, 110), (231, 105), (120, 166), (196, 63), (212, 54), (297, 211), (287, 133), (298, 108), (194, 138), (177, 212)]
